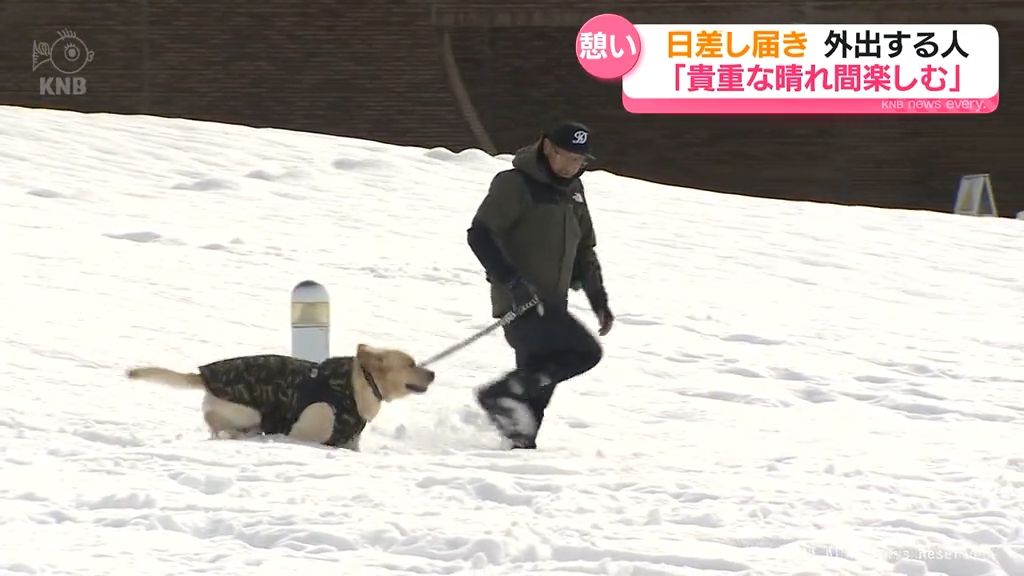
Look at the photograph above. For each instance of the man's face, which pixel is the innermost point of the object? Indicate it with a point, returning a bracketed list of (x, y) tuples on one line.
[(563, 163)]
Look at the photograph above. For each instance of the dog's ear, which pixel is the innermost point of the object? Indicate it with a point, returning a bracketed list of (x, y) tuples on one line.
[(369, 357)]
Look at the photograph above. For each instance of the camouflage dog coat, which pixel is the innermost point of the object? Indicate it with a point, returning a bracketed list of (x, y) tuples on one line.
[(280, 387)]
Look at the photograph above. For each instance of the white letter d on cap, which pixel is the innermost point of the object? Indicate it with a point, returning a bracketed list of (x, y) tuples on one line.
[(580, 137)]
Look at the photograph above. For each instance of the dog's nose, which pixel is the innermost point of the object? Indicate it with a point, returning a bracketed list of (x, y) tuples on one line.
[(430, 375)]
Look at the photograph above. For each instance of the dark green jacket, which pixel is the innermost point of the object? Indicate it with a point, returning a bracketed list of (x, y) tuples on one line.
[(537, 226)]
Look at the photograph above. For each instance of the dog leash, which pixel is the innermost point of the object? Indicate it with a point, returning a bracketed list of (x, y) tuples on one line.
[(503, 321)]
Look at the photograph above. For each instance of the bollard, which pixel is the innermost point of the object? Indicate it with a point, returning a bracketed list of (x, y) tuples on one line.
[(311, 321)]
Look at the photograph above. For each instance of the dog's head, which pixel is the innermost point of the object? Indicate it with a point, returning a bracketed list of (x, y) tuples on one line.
[(394, 371)]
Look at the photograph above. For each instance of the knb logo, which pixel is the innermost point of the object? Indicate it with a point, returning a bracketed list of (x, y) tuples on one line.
[(68, 54)]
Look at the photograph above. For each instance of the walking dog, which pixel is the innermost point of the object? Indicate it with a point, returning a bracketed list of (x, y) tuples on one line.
[(329, 402)]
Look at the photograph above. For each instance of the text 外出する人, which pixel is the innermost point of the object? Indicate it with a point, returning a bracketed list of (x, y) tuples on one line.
[(868, 44)]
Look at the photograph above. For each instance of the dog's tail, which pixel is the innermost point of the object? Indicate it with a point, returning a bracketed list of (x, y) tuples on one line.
[(166, 377)]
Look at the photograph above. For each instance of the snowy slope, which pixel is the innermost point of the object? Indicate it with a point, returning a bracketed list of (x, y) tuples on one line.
[(791, 388)]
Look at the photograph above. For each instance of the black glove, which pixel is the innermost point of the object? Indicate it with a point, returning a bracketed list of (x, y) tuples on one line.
[(522, 293), (606, 318)]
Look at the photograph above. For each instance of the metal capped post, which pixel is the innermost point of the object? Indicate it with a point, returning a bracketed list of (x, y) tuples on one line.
[(311, 321)]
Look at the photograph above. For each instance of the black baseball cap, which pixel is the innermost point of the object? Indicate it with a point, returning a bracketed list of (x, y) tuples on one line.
[(573, 137)]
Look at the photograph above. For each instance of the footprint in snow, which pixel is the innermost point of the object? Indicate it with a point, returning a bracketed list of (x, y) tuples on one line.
[(751, 339), (207, 184), (145, 237), (44, 193), (355, 164), (293, 175)]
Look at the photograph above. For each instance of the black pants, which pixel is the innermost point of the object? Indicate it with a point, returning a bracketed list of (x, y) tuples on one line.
[(549, 349)]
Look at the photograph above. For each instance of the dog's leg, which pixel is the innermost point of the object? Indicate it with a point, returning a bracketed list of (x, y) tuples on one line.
[(353, 444), (228, 418), (315, 424)]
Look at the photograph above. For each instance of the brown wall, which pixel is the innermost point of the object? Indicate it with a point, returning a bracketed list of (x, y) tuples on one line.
[(376, 69)]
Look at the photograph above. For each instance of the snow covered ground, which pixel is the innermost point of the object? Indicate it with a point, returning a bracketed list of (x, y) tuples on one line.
[(791, 388)]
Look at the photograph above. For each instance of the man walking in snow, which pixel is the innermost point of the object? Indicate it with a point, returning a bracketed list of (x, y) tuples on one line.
[(533, 235)]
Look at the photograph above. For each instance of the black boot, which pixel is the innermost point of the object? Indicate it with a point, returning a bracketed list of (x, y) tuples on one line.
[(507, 404)]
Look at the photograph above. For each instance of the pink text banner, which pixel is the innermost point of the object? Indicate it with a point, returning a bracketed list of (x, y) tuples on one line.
[(795, 68)]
